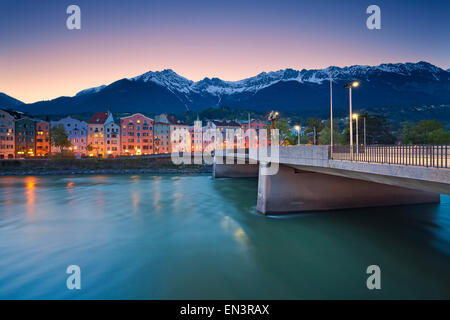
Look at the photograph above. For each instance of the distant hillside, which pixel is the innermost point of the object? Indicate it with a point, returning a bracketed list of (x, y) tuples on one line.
[(8, 102)]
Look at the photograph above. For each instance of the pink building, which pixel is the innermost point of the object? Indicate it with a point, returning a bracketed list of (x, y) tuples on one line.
[(136, 135), (257, 125)]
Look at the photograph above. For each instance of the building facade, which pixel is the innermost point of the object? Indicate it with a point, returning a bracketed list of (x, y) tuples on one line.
[(25, 140), (196, 136), (221, 127), (136, 135), (258, 126), (76, 131), (178, 133), (96, 133), (7, 135), (112, 139), (42, 139), (162, 138)]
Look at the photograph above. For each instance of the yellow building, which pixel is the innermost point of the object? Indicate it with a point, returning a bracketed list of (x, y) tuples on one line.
[(96, 143)]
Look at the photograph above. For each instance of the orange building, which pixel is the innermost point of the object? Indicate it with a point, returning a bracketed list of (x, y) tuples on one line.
[(136, 135), (42, 139)]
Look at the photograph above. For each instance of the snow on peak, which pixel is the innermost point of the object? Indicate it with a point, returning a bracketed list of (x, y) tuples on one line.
[(215, 86), (167, 78), (91, 90)]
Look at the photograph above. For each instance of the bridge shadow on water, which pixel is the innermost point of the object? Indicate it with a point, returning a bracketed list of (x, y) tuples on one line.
[(325, 254)]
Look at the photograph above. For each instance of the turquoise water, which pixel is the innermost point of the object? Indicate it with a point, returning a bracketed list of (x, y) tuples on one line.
[(192, 237)]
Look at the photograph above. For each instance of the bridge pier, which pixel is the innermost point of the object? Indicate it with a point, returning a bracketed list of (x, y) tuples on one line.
[(293, 190), (235, 170)]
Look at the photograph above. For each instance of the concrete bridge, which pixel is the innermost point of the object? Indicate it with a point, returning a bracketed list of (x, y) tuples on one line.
[(313, 178)]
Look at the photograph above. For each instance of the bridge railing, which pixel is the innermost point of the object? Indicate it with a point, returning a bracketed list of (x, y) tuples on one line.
[(420, 155)]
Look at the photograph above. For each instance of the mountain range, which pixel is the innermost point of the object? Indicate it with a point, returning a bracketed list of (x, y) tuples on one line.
[(384, 86)]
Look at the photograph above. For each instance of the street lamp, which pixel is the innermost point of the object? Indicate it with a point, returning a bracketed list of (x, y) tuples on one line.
[(354, 84), (355, 116), (297, 127), (331, 113), (364, 133)]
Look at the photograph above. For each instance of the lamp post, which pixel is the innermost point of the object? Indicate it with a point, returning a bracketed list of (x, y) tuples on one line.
[(364, 132), (314, 135), (331, 113), (355, 116), (350, 86), (298, 133)]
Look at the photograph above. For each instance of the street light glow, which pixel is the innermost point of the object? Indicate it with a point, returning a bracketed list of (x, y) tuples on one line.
[(355, 116), (355, 84), (297, 128)]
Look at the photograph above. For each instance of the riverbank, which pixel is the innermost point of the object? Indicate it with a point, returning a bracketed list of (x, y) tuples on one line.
[(97, 166)]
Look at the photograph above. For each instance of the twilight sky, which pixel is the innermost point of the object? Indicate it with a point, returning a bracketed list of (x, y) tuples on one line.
[(41, 59)]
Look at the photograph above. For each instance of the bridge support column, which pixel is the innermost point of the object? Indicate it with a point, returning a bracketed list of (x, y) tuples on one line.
[(292, 190), (235, 170)]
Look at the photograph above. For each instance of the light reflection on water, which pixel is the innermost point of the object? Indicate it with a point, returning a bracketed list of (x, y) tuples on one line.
[(167, 236)]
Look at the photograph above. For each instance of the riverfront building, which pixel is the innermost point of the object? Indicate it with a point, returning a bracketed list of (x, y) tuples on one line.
[(258, 126), (196, 136), (221, 127), (21, 136), (7, 134), (112, 139), (162, 137), (136, 135), (76, 131), (178, 133), (96, 133), (25, 142), (42, 139)]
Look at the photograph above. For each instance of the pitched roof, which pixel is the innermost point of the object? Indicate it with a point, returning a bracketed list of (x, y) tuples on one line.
[(99, 118), (172, 120), (226, 123)]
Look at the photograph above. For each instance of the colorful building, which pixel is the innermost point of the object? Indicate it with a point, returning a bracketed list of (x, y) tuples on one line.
[(42, 139), (7, 134), (76, 131), (96, 133), (112, 139), (221, 127), (136, 135), (162, 138), (178, 133), (196, 136), (258, 126), (25, 141)]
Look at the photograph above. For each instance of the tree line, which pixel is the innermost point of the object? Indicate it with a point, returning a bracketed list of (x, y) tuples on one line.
[(379, 131)]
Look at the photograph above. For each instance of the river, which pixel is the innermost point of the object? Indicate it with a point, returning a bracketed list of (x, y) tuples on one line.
[(192, 237)]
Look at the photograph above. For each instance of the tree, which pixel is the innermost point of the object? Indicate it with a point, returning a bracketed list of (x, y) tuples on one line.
[(285, 132), (424, 132), (314, 125), (59, 137), (325, 136), (378, 130)]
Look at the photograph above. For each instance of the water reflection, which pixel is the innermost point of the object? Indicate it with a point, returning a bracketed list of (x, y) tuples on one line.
[(191, 237), (30, 195)]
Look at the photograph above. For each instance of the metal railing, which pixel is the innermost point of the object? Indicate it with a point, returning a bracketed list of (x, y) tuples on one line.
[(419, 155)]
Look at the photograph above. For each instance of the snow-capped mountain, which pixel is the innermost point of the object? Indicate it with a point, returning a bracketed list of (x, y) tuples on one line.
[(399, 84), (91, 90), (215, 86)]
